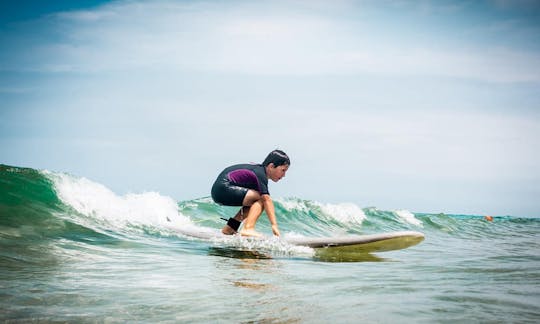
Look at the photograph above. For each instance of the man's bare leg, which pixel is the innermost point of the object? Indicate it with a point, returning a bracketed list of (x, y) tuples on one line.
[(253, 215), (240, 216)]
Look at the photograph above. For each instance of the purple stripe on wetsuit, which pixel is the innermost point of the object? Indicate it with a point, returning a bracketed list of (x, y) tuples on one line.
[(245, 178)]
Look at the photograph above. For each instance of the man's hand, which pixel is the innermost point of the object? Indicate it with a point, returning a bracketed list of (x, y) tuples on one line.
[(275, 230)]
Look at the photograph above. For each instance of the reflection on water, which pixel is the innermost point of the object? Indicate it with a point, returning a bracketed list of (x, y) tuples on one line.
[(237, 254), (325, 255), (330, 255), (254, 278), (246, 266), (252, 285)]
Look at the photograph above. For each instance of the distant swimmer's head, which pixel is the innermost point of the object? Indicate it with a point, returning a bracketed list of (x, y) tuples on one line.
[(276, 165)]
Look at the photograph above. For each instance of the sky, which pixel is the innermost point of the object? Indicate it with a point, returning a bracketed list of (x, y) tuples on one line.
[(428, 106)]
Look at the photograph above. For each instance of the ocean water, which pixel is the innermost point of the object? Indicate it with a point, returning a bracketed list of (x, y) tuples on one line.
[(71, 250)]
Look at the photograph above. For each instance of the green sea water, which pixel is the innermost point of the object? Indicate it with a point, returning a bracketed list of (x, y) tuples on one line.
[(71, 250)]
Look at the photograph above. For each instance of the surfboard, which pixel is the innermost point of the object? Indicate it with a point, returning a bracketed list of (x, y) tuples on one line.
[(369, 243), (360, 247), (363, 243)]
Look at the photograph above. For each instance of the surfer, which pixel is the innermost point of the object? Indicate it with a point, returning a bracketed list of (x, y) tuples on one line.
[(246, 185)]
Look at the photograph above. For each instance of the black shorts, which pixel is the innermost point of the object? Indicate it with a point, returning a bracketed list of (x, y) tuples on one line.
[(228, 194)]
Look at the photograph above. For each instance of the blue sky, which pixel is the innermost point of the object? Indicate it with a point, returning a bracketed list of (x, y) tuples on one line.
[(430, 106)]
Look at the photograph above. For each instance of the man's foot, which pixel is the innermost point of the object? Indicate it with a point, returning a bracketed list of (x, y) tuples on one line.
[(250, 232), (227, 230)]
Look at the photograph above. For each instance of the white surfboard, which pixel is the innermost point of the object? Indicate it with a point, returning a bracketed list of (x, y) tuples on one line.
[(363, 243), (340, 244)]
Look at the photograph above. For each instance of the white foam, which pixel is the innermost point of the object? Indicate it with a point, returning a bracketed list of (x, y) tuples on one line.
[(344, 212), (293, 235), (273, 245), (293, 205), (99, 203), (408, 217)]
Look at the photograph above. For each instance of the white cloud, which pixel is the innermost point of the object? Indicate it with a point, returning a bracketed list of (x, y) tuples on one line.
[(240, 38)]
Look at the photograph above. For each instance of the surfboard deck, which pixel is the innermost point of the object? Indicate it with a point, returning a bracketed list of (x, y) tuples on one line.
[(381, 242), (368, 243)]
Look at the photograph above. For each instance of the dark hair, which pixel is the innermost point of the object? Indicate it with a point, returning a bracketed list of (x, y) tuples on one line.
[(277, 157)]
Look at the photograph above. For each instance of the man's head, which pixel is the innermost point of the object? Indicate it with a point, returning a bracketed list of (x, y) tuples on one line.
[(276, 165), (278, 158)]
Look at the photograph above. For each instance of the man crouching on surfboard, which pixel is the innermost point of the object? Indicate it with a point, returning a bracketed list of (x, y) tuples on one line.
[(246, 185)]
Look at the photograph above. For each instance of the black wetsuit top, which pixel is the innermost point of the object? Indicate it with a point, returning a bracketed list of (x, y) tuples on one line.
[(233, 183)]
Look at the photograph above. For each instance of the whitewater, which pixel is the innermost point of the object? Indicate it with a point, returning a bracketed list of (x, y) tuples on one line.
[(72, 250)]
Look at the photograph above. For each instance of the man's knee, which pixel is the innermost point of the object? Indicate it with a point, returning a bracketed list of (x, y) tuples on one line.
[(251, 197)]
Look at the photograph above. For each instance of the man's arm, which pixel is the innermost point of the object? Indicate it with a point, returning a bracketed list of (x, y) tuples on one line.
[(270, 212)]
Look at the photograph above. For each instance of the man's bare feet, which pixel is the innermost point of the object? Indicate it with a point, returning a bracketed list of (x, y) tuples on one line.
[(250, 232)]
